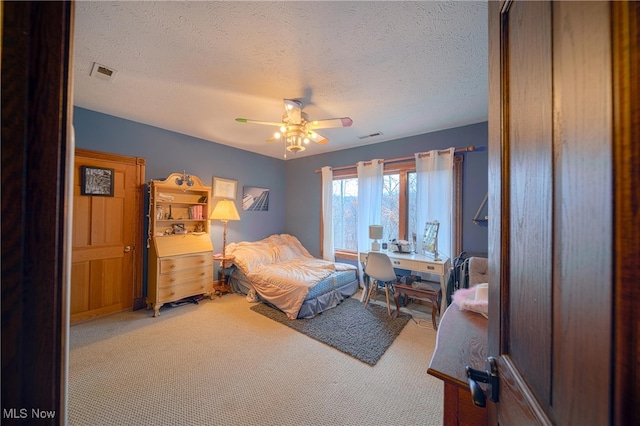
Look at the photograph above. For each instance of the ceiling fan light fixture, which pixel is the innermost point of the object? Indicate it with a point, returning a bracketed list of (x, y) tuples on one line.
[(296, 129), (295, 148)]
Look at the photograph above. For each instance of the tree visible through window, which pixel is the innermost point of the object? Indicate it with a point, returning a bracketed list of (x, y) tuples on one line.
[(345, 216), (398, 207), (390, 207)]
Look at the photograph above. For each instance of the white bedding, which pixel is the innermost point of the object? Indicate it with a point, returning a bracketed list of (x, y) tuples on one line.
[(281, 270)]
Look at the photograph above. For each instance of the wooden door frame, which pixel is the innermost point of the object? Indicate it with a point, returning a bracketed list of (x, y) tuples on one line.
[(140, 241), (37, 165)]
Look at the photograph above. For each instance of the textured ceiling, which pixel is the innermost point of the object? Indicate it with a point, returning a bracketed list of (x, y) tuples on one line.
[(400, 68)]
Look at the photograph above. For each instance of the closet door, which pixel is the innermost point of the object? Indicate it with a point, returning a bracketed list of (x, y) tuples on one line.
[(551, 211), (106, 269)]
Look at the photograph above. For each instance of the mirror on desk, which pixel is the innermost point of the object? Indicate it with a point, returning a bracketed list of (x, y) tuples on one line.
[(430, 239)]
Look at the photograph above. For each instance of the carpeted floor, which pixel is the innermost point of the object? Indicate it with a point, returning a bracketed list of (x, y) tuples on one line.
[(220, 363), (365, 334)]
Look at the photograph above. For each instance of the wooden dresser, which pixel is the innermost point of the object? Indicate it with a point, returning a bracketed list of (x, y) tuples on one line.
[(461, 341), (180, 248)]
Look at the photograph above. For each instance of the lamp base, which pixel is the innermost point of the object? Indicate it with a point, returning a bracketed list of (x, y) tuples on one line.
[(375, 246)]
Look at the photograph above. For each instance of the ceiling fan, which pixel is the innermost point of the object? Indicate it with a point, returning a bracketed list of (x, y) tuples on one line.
[(296, 129)]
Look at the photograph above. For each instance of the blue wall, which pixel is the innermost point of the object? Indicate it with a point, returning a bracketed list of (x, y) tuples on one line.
[(303, 183), (168, 152), (294, 205)]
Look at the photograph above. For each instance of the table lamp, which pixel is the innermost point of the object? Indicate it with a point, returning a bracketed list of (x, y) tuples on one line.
[(224, 211), (375, 233)]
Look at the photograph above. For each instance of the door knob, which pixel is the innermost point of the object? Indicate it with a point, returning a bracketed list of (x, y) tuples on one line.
[(490, 377), (127, 249)]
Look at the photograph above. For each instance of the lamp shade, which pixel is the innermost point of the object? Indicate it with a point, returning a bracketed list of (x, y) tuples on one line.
[(225, 210), (375, 232)]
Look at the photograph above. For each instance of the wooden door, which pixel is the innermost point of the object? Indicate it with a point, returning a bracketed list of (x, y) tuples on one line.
[(554, 256), (37, 112), (107, 243)]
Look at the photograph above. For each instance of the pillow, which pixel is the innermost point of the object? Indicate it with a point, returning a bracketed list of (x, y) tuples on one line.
[(251, 256), (294, 247), (474, 299)]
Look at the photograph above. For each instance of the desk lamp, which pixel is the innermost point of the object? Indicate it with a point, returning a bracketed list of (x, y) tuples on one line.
[(375, 233)]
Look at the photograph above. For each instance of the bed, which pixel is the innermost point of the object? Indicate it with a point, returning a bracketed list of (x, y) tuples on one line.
[(280, 271)]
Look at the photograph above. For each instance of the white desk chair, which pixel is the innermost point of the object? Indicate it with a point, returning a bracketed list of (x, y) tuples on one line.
[(380, 270)]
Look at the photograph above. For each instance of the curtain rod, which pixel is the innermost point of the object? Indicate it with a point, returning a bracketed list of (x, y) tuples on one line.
[(469, 148)]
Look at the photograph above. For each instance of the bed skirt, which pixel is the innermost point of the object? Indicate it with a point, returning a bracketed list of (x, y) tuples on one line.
[(327, 294)]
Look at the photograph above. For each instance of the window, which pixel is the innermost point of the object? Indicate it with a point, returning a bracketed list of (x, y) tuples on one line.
[(398, 206), (345, 216)]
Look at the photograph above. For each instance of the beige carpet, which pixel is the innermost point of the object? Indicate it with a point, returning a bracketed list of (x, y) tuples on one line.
[(219, 363)]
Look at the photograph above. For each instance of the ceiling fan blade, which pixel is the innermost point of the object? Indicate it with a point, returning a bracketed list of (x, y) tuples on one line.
[(293, 109), (331, 122), (318, 138), (248, 120), (273, 139)]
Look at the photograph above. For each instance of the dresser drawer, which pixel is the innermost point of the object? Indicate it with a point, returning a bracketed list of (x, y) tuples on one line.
[(178, 277), (180, 291), (413, 265), (185, 262)]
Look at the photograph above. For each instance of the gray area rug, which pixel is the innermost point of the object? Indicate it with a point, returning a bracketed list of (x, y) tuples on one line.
[(363, 333)]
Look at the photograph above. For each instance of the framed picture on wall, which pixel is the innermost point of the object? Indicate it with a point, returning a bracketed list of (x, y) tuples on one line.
[(255, 199), (96, 181), (225, 188)]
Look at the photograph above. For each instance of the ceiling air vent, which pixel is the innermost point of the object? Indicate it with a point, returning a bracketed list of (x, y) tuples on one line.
[(102, 72), (372, 135)]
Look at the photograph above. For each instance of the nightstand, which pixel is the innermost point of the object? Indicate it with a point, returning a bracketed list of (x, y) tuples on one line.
[(222, 287)]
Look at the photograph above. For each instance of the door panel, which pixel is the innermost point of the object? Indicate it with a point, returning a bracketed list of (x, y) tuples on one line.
[(107, 251), (528, 334), (583, 222)]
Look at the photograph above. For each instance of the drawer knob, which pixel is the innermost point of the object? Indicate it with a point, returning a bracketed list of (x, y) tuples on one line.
[(431, 267), (173, 279), (173, 293), (202, 274), (173, 266)]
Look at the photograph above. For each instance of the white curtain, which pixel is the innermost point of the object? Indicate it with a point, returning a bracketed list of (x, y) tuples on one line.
[(434, 179), (328, 251), (370, 182)]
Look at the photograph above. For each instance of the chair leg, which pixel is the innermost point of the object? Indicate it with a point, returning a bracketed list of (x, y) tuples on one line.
[(372, 283)]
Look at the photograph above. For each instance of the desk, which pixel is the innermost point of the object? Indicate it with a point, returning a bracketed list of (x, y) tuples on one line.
[(419, 263)]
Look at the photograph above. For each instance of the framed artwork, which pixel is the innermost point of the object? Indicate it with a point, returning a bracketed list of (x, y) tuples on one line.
[(225, 188), (96, 181), (255, 199)]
